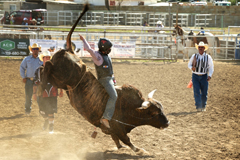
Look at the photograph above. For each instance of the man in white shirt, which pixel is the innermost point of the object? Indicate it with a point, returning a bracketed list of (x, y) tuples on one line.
[(202, 68)]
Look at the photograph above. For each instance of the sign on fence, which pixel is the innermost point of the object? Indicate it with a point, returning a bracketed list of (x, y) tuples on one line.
[(118, 49), (124, 49), (14, 47)]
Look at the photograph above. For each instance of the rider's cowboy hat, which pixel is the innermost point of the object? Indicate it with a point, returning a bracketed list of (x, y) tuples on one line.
[(35, 45), (44, 54), (202, 45), (25, 19), (159, 22)]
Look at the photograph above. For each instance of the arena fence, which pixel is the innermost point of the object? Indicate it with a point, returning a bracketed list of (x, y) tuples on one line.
[(67, 17), (148, 45)]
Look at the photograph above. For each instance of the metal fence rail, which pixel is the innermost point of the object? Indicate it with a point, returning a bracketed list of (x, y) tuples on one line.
[(133, 18), (148, 45)]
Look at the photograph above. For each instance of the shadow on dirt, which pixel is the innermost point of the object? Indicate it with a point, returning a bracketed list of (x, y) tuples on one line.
[(110, 155), (29, 135), (13, 117), (227, 61), (181, 113)]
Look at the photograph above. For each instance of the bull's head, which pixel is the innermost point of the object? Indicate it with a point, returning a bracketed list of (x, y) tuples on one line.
[(154, 109), (64, 62)]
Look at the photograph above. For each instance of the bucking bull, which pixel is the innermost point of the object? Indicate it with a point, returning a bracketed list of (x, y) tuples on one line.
[(67, 71)]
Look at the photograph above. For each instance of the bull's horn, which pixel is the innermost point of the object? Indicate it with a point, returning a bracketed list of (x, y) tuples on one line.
[(145, 105), (150, 95), (69, 43)]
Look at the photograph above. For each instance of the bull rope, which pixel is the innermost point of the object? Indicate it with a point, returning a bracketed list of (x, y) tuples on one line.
[(144, 118), (124, 123), (77, 83), (134, 117)]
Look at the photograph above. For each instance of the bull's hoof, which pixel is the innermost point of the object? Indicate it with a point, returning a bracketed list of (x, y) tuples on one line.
[(122, 146), (142, 152)]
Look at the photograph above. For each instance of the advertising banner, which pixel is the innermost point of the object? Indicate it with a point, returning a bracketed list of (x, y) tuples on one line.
[(119, 49), (14, 47), (126, 50)]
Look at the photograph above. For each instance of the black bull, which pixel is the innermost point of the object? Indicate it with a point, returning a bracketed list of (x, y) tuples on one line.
[(88, 97)]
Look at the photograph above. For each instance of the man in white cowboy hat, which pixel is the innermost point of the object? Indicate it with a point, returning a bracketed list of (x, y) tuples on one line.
[(202, 68), (27, 70), (47, 97), (160, 24), (33, 23), (159, 27)]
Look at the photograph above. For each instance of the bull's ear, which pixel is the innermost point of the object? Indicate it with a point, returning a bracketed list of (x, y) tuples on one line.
[(48, 67)]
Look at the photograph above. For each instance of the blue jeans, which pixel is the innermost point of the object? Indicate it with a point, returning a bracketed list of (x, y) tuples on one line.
[(200, 89), (107, 83), (28, 94)]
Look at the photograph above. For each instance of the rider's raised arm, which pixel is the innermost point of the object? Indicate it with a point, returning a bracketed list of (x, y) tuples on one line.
[(97, 58)]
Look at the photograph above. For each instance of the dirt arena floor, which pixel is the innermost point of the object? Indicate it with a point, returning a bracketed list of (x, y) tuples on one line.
[(214, 134)]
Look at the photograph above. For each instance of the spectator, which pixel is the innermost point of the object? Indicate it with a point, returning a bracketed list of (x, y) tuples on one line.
[(51, 49), (25, 22), (33, 22), (201, 32), (12, 19), (47, 98), (145, 24), (159, 24), (27, 70)]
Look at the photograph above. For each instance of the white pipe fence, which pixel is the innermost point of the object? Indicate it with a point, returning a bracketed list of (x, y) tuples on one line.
[(132, 18), (148, 45)]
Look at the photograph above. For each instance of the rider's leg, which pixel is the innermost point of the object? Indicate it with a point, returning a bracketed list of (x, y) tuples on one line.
[(108, 84)]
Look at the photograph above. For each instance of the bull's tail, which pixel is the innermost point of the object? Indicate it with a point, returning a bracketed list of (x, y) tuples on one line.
[(69, 43), (107, 4)]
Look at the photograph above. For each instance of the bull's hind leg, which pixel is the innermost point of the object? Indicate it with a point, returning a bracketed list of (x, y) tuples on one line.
[(126, 140), (116, 140)]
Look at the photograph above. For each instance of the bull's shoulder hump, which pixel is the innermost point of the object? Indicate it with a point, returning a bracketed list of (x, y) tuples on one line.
[(129, 89)]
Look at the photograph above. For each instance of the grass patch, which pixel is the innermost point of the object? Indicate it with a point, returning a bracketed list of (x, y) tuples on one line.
[(232, 30)]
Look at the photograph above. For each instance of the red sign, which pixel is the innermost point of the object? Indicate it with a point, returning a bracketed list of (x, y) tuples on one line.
[(112, 3)]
